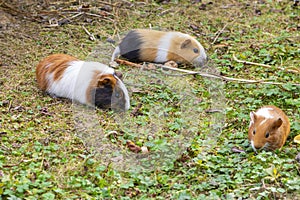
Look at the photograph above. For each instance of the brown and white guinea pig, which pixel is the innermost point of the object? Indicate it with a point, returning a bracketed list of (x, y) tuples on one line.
[(144, 45), (89, 83), (269, 128)]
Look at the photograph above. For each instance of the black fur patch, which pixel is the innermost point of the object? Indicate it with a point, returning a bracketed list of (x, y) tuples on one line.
[(102, 97), (106, 97), (130, 46)]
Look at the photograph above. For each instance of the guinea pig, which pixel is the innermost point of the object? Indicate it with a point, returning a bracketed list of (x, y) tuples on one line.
[(269, 128), (90, 83), (143, 45)]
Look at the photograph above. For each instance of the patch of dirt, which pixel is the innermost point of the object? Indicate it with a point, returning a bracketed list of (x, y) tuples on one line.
[(6, 20)]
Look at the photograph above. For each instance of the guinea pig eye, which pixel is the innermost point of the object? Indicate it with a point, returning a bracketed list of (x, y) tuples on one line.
[(118, 94), (267, 135), (196, 50), (254, 132)]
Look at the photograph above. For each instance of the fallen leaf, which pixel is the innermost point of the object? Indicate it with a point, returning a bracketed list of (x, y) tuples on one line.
[(136, 90), (19, 108), (46, 164), (133, 147), (202, 6), (237, 150), (220, 45), (258, 12), (212, 110), (107, 8), (136, 111), (63, 22), (194, 27), (5, 103), (297, 139), (197, 101), (44, 111), (144, 149)]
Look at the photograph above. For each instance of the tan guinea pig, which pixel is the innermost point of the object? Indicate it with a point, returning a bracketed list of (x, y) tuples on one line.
[(89, 83), (269, 128), (143, 45)]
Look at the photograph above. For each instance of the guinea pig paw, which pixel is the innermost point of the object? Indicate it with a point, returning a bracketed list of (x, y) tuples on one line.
[(53, 96), (113, 64), (171, 63)]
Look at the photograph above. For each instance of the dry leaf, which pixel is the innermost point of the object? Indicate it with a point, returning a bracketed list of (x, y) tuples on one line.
[(133, 147), (144, 149), (297, 139), (136, 111), (237, 150)]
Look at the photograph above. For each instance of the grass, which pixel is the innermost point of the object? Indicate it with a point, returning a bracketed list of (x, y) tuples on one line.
[(45, 154)]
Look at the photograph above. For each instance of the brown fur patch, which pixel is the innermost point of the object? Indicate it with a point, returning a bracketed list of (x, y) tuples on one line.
[(277, 136), (56, 63), (99, 80), (150, 40), (148, 54)]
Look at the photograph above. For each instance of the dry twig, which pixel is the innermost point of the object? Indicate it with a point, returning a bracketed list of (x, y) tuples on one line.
[(219, 33), (100, 16), (125, 62), (92, 37), (264, 65), (203, 74)]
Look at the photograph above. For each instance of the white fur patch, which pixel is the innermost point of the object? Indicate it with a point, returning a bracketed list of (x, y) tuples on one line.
[(115, 54), (251, 123), (48, 65), (65, 87), (76, 79), (251, 119), (264, 112), (163, 47), (262, 122), (266, 146), (252, 145), (124, 89)]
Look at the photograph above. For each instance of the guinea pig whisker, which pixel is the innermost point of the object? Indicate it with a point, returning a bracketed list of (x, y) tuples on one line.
[(266, 146), (253, 147)]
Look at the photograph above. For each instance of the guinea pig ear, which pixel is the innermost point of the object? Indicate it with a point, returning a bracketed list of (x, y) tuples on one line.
[(186, 43), (119, 74), (104, 81), (253, 117), (277, 123)]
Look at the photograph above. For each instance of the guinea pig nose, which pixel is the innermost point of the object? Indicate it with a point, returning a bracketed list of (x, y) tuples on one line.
[(257, 147)]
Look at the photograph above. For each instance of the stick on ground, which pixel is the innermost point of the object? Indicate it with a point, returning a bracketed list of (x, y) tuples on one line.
[(208, 75), (263, 65)]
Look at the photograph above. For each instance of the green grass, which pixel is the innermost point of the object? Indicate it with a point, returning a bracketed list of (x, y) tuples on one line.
[(46, 154)]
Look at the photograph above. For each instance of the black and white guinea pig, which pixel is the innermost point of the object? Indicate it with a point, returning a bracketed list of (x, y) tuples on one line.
[(90, 83), (143, 45)]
